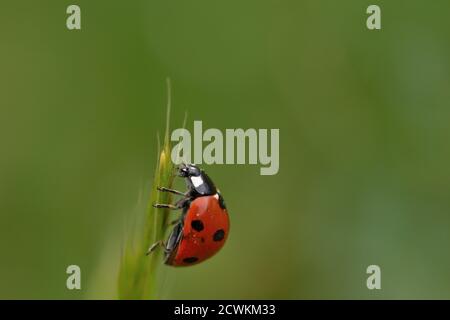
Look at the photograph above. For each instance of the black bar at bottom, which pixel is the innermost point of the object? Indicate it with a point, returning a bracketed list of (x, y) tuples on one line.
[(225, 309)]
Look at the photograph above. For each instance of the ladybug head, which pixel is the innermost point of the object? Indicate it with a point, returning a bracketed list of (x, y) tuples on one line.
[(188, 170)]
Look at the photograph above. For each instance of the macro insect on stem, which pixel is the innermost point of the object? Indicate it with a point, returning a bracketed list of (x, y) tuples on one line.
[(203, 226)]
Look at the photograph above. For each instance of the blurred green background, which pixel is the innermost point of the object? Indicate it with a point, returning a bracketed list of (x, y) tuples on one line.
[(364, 142)]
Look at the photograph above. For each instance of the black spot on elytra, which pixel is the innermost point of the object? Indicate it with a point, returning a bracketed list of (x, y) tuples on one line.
[(190, 259), (218, 235), (197, 225), (221, 202)]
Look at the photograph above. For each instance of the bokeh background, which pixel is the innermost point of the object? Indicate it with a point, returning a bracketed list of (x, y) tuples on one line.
[(364, 142)]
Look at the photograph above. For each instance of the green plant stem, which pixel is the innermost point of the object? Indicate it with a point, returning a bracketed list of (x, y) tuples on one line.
[(138, 273)]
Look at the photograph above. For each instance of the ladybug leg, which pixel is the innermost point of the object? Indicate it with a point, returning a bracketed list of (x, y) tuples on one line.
[(153, 247), (174, 222), (180, 204), (164, 189), (165, 206)]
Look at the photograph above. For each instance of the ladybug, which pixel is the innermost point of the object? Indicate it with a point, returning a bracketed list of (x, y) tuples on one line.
[(204, 224)]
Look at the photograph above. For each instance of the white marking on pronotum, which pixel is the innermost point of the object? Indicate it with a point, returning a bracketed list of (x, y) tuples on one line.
[(197, 181)]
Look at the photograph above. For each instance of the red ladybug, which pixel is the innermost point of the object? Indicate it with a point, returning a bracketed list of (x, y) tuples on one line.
[(204, 224)]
